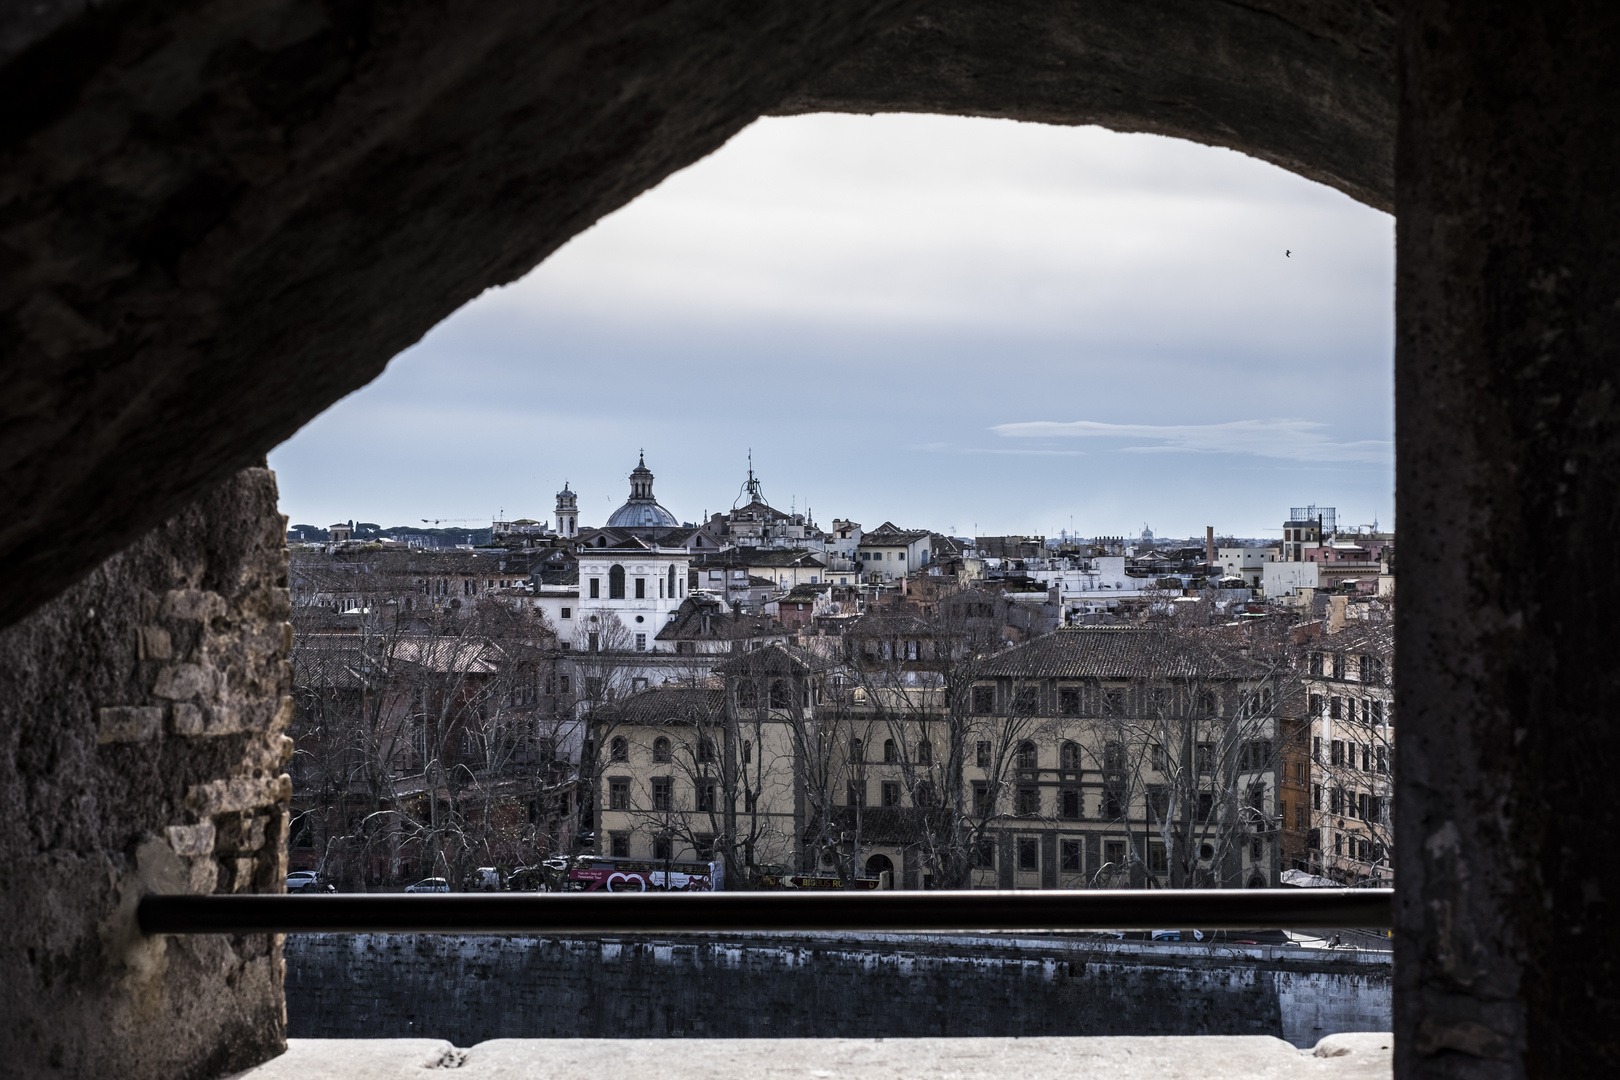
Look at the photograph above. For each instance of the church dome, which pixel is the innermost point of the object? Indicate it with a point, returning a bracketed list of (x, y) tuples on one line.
[(641, 515), (642, 511)]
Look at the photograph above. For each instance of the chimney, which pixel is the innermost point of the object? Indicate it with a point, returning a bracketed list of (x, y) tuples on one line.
[(1209, 545), (1336, 612)]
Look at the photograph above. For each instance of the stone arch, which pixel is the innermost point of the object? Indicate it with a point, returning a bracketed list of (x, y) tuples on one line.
[(284, 239)]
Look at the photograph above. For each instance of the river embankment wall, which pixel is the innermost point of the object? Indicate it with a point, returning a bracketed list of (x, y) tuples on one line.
[(468, 989)]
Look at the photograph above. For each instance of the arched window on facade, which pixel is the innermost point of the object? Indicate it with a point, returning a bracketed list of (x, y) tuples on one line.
[(616, 582), (619, 748), (888, 751), (925, 753), (779, 695), (1069, 757), (671, 593), (661, 751), (857, 750), (1026, 755)]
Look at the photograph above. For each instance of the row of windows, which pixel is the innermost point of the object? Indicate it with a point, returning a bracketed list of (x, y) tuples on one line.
[(663, 795), (1116, 701), (1368, 669), (664, 751), (1112, 802), (616, 586), (1253, 755), (1026, 853), (1370, 808), (887, 649), (1342, 753), (1355, 710)]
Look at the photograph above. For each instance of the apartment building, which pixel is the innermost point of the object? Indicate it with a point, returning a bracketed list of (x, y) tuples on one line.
[(1349, 683), (1142, 756), (709, 772)]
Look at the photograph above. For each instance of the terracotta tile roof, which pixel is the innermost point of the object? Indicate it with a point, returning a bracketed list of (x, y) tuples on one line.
[(1125, 652), (664, 705)]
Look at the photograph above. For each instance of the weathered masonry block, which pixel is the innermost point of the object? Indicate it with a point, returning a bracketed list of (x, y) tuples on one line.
[(142, 715)]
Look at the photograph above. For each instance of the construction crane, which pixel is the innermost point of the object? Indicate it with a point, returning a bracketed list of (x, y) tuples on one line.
[(449, 521)]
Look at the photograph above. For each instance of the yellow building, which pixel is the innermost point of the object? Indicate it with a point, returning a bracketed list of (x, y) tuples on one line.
[(1092, 757), (708, 772), (1351, 704)]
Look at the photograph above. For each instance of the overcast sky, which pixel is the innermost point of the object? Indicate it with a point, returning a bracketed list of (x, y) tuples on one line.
[(958, 324)]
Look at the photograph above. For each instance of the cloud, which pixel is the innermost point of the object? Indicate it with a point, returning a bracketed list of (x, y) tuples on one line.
[(856, 299), (1294, 440), (952, 448)]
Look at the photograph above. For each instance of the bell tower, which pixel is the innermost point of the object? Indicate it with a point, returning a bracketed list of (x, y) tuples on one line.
[(567, 512)]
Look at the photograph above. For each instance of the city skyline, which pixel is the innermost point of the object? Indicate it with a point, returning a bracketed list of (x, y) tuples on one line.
[(601, 505), (926, 319)]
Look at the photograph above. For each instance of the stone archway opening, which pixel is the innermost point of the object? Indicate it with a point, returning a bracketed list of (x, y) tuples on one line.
[(219, 219)]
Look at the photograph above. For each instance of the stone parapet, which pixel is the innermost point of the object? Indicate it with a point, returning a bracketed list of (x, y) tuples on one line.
[(1210, 1057)]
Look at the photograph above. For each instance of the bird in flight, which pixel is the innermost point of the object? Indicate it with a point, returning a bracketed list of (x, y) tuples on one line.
[(1288, 253)]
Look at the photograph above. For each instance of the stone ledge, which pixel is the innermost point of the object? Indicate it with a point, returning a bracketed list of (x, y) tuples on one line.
[(1191, 1057)]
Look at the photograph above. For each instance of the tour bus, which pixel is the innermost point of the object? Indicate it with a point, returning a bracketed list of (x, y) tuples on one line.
[(596, 873)]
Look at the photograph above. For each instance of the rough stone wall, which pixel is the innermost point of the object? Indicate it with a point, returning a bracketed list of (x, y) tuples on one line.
[(470, 989), (140, 714), (1507, 353)]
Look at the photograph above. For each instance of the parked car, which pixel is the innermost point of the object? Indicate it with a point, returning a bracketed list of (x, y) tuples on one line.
[(530, 879), (487, 878), (308, 881), (429, 884)]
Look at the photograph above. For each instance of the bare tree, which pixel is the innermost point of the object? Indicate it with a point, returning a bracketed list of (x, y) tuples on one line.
[(1185, 747), (418, 728), (954, 749)]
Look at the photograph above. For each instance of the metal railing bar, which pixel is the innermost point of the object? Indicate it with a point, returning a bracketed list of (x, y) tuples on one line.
[(656, 913)]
